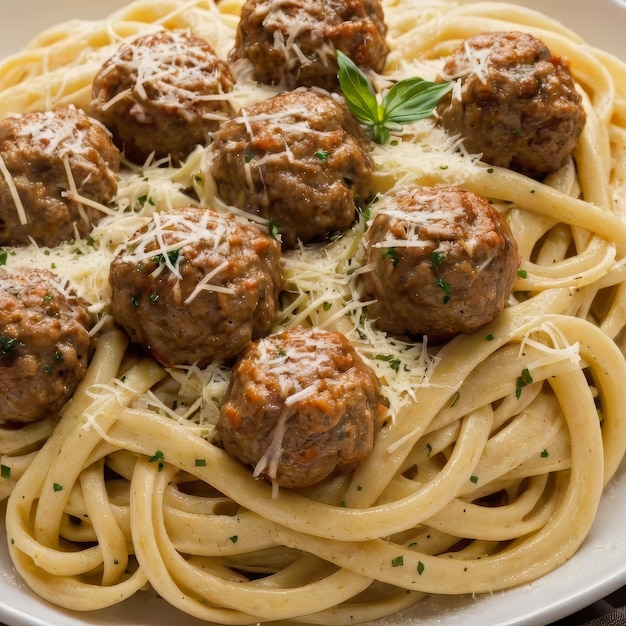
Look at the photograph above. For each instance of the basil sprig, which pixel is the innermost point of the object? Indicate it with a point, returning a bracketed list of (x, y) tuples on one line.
[(408, 100)]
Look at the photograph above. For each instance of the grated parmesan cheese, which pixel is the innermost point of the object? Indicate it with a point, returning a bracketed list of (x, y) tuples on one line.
[(320, 282), (287, 27), (15, 196), (324, 293)]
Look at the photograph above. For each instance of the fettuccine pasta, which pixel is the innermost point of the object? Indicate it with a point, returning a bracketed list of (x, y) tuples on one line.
[(498, 445)]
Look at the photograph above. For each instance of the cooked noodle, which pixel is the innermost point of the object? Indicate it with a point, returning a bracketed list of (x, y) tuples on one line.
[(490, 468)]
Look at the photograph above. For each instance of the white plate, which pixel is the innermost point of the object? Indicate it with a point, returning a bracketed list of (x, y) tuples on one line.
[(597, 569)]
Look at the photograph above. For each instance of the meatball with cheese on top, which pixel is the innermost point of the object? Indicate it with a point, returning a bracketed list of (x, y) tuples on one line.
[(193, 286), (300, 404), (45, 344), (299, 160), (162, 94), (294, 43), (57, 167), (436, 262), (515, 102)]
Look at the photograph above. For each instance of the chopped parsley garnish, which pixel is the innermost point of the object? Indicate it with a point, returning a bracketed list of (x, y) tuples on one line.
[(8, 345), (145, 199), (398, 561), (322, 155), (445, 287), (522, 381), (366, 213), (159, 457), (5, 472), (172, 256), (392, 255), (420, 568), (200, 462), (57, 487), (273, 229), (522, 273), (394, 362), (437, 258)]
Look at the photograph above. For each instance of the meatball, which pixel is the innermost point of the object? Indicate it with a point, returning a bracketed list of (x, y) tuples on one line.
[(299, 159), (44, 344), (294, 43), (162, 93), (194, 286), (441, 261), (516, 103), (300, 404), (49, 161)]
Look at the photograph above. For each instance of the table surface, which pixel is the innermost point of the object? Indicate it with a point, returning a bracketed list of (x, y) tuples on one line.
[(610, 611)]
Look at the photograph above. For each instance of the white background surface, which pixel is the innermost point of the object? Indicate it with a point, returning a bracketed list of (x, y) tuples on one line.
[(598, 568), (22, 19), (601, 22)]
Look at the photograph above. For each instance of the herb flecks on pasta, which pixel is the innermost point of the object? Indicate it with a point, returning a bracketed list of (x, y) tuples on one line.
[(497, 444)]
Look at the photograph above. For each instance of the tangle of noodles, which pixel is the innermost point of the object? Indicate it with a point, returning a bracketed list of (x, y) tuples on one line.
[(490, 468)]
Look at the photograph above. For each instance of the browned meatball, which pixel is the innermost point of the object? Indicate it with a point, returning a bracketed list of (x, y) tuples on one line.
[(44, 155), (517, 103), (441, 260), (293, 43), (44, 344), (298, 159), (194, 286), (300, 404), (160, 94)]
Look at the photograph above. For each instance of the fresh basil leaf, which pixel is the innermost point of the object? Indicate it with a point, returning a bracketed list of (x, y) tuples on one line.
[(380, 132), (408, 100), (413, 99), (357, 90)]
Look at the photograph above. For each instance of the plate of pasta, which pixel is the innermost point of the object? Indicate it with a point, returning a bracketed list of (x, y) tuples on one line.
[(311, 312)]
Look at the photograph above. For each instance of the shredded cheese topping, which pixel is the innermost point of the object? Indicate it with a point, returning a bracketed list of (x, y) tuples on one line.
[(462, 432), (171, 232), (15, 196), (171, 63), (287, 26)]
